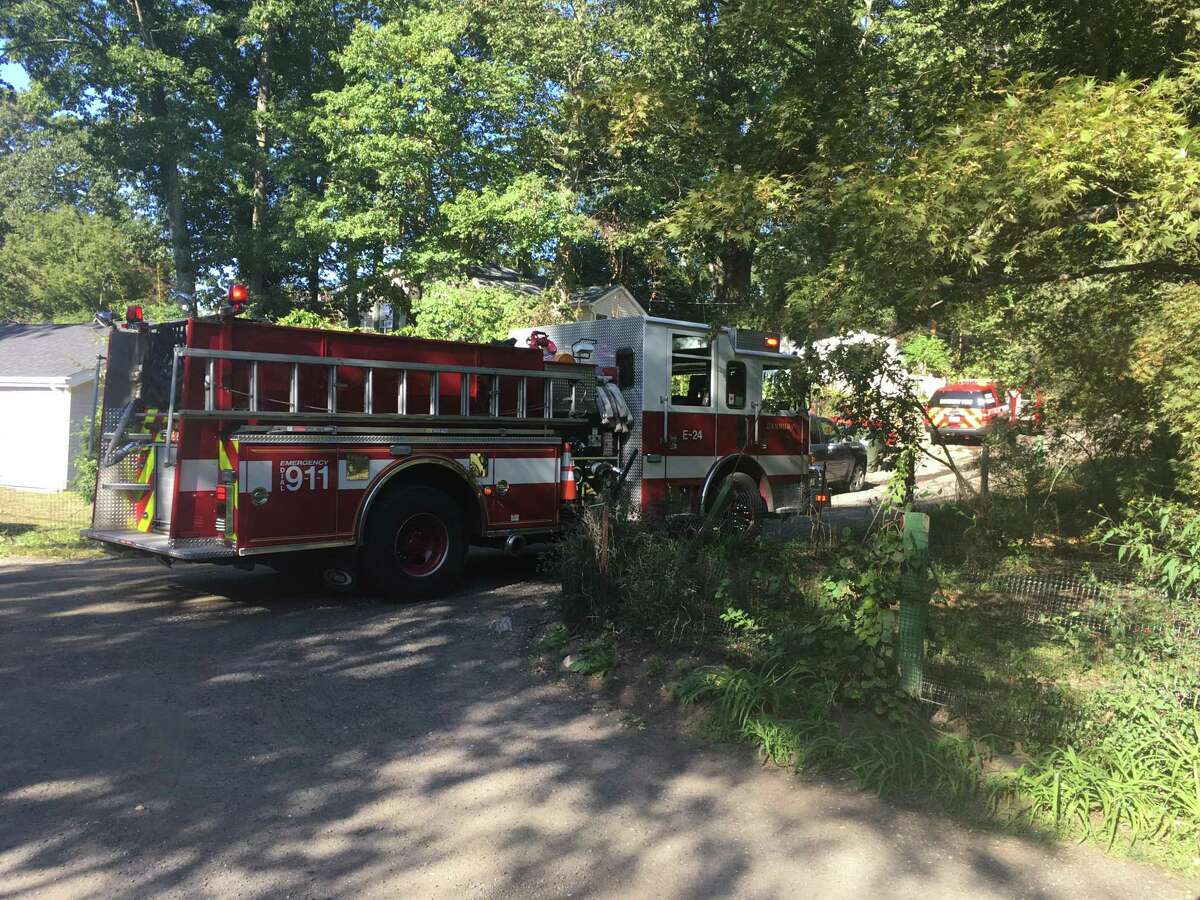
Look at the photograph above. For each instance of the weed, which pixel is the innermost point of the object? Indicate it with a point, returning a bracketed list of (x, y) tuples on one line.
[(597, 658), (555, 639), (1138, 782)]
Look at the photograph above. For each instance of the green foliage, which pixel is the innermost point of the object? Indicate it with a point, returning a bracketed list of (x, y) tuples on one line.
[(45, 164), (1137, 783), (786, 713), (1161, 540), (928, 354), (84, 480), (556, 638), (596, 658), (1167, 368), (305, 318), (463, 312), (65, 265)]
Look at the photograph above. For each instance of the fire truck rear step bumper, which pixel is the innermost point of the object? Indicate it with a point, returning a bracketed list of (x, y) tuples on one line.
[(190, 549)]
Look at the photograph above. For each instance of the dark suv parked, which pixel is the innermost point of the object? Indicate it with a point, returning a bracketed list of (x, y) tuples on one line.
[(843, 456)]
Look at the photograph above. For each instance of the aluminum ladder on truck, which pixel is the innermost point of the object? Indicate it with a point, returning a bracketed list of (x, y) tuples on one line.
[(567, 392)]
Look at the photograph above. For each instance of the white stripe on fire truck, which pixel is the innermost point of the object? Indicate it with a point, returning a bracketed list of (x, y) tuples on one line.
[(254, 475), (197, 475), (538, 470), (699, 466), (201, 474)]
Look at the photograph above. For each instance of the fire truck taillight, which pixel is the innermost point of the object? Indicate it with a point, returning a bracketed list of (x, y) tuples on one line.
[(771, 342)]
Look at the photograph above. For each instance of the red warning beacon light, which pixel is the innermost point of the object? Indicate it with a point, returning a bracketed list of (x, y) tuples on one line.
[(239, 298), (135, 318)]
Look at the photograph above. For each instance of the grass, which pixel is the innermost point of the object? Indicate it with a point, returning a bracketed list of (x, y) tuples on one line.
[(1068, 710), (47, 525)]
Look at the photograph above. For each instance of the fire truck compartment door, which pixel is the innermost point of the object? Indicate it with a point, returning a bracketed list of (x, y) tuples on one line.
[(525, 488), (286, 495)]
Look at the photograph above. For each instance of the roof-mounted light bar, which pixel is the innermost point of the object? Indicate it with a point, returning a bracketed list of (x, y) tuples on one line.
[(750, 340)]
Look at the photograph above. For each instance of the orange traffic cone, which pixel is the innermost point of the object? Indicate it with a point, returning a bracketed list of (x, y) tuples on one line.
[(567, 475)]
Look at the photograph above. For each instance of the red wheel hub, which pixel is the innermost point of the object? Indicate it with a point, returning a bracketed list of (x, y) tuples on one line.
[(422, 545)]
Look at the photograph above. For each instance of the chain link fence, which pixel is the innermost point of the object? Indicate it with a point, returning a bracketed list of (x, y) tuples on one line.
[(1019, 651), (26, 510)]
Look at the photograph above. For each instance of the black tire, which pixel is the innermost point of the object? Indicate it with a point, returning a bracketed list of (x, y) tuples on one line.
[(858, 477), (417, 570), (746, 510)]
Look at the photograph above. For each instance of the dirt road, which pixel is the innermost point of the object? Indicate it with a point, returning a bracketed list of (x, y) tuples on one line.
[(206, 732)]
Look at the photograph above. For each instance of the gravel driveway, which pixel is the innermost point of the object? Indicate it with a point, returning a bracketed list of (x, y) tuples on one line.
[(207, 732)]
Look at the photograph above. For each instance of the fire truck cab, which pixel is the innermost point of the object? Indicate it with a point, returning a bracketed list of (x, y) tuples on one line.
[(230, 440), (705, 404)]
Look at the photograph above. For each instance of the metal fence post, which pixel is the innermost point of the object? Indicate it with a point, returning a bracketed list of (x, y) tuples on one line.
[(914, 602)]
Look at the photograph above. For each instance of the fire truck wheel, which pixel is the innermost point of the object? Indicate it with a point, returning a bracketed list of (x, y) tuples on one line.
[(744, 515), (416, 545)]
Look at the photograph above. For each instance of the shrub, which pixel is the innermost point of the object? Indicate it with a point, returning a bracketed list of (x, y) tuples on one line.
[(1161, 541)]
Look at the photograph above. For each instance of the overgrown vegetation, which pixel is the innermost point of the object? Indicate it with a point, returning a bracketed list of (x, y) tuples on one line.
[(1064, 701)]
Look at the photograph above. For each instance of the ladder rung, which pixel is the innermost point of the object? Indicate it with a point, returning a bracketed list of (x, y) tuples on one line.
[(129, 436), (125, 486)]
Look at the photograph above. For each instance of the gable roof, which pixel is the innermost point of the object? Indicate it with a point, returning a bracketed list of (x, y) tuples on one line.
[(591, 294), (510, 279), (49, 351), (503, 277)]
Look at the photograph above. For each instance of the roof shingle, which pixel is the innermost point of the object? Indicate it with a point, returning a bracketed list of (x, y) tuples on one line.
[(49, 351)]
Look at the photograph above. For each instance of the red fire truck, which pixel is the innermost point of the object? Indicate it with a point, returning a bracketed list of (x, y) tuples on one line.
[(230, 440)]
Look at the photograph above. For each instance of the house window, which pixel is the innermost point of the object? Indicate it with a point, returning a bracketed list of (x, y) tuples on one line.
[(691, 370)]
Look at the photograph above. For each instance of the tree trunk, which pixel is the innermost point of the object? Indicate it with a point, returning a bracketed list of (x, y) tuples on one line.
[(258, 219), (737, 261), (353, 319), (167, 160), (314, 283), (172, 195)]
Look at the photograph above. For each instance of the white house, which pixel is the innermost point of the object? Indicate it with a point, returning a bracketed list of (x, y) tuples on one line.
[(606, 302), (46, 383)]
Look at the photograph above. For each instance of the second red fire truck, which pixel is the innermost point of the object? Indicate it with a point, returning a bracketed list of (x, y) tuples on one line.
[(230, 440)]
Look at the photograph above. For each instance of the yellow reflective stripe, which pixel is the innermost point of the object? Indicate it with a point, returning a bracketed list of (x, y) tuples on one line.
[(145, 476), (225, 464), (147, 518), (147, 468)]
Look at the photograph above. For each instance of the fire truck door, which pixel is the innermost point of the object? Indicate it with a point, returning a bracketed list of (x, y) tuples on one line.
[(691, 420), (286, 495)]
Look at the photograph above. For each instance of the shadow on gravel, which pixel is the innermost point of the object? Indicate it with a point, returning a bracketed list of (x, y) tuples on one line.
[(208, 731)]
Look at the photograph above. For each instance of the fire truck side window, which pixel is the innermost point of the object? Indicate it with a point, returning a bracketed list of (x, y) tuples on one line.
[(782, 390), (735, 385), (691, 370)]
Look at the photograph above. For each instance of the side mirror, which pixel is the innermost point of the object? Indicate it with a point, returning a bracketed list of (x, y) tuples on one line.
[(625, 373)]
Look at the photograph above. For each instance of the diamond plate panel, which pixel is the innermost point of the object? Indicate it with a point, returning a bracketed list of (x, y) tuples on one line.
[(617, 334)]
